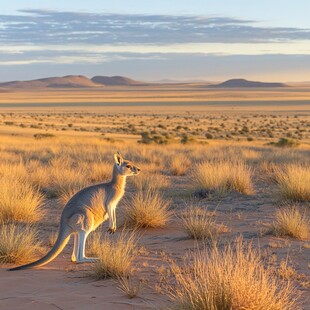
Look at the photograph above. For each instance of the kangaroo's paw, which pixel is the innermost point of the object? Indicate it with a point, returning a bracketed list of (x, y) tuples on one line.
[(73, 259), (87, 260), (112, 230)]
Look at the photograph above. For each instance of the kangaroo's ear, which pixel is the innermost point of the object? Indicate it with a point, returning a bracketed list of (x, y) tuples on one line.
[(118, 158)]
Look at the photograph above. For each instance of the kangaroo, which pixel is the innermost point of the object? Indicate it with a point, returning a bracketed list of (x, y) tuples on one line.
[(81, 215)]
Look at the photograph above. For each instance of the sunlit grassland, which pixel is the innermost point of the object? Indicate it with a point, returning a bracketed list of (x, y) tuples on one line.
[(40, 175)]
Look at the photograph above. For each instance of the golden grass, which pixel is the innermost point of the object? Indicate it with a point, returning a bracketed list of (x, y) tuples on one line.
[(292, 222), (65, 178), (18, 243), (222, 177), (230, 278), (153, 181), (115, 257), (129, 287), (293, 182), (179, 164), (19, 201), (198, 223), (98, 172), (94, 243), (147, 209)]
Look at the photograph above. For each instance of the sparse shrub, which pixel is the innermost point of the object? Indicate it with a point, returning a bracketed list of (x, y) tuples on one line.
[(19, 201), (147, 209), (179, 164), (285, 142), (43, 135), (148, 138), (292, 222), (199, 223), (209, 135), (230, 278), (186, 139), (221, 177), (293, 182), (18, 243), (115, 257)]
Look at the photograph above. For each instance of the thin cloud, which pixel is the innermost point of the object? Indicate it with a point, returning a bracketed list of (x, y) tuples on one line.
[(56, 28)]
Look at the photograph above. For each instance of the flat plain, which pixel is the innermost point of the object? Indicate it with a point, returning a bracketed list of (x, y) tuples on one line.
[(232, 165)]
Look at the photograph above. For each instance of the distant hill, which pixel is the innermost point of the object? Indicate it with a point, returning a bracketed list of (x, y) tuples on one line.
[(245, 83), (69, 81), (114, 80), (80, 81), (72, 81)]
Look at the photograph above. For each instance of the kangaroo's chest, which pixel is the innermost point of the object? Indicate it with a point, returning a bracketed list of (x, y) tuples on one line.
[(114, 199)]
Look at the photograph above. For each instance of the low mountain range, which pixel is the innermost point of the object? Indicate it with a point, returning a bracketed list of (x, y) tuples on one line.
[(245, 83), (80, 81), (71, 81)]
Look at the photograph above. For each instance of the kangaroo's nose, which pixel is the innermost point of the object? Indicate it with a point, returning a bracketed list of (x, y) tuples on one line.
[(138, 169)]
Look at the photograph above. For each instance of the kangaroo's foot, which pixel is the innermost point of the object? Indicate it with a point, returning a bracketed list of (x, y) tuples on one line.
[(87, 260), (111, 230)]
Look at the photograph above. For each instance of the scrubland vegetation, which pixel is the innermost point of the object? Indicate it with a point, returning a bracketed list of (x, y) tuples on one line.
[(203, 183), (115, 256), (18, 243), (291, 221), (231, 278)]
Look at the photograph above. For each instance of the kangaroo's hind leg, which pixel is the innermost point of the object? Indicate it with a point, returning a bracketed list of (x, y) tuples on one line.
[(81, 241), (75, 248)]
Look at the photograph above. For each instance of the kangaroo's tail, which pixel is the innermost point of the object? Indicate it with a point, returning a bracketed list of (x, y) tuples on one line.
[(62, 240)]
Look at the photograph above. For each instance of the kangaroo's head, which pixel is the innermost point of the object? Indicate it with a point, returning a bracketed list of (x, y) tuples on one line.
[(125, 167)]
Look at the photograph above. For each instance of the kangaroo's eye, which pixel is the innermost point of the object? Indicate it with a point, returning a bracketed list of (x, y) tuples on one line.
[(128, 166)]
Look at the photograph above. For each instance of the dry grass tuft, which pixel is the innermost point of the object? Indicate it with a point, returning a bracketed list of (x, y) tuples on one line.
[(18, 243), (285, 271), (293, 182), (292, 222), (179, 164), (19, 201), (128, 287), (94, 243), (222, 176), (199, 223), (231, 278), (147, 209), (115, 257)]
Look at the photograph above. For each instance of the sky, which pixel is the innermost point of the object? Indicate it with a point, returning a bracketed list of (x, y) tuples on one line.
[(209, 40)]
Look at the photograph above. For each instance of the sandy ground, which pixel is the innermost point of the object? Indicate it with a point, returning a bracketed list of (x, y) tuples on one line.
[(64, 285), (152, 95)]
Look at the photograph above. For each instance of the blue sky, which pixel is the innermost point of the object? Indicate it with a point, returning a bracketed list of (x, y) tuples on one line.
[(148, 40)]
